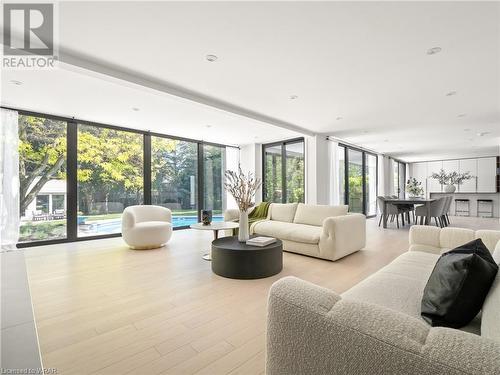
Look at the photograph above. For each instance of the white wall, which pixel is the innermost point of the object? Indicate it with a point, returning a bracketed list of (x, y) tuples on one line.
[(317, 170), (251, 161)]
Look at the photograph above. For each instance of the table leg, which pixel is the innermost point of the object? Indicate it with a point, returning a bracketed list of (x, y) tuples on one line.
[(384, 216), (428, 213), (208, 256)]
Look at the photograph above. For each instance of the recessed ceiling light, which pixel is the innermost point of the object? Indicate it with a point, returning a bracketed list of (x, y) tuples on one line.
[(135, 109), (462, 115), (15, 82), (451, 93), (481, 134), (211, 58), (339, 118), (293, 97), (433, 50)]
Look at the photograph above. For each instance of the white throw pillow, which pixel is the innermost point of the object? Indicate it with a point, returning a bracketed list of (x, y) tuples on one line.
[(312, 214), (283, 211)]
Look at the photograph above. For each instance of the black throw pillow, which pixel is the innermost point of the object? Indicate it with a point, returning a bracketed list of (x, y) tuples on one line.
[(458, 285)]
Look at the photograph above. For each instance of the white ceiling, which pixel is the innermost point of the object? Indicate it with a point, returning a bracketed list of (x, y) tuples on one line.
[(74, 92), (365, 62)]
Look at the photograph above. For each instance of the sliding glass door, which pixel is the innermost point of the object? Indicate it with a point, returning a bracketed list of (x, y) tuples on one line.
[(77, 177), (213, 180), (399, 178), (283, 171), (358, 179), (355, 180), (42, 177), (174, 178), (110, 177)]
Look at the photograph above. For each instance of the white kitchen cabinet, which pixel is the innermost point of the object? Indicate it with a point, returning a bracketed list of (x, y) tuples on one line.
[(486, 175), (468, 165), (450, 166), (419, 172), (433, 185)]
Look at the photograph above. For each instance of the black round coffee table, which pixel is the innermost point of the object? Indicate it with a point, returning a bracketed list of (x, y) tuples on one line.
[(237, 260)]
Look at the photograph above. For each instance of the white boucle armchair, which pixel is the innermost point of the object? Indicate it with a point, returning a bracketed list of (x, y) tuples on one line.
[(146, 226)]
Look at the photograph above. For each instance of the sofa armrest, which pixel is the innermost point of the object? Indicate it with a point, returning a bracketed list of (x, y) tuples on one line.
[(342, 235), (312, 330)]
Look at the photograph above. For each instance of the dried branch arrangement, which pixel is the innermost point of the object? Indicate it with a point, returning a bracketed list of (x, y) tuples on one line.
[(242, 187)]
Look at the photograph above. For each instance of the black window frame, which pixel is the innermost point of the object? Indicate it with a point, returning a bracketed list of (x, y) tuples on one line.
[(72, 168), (283, 166), (363, 167)]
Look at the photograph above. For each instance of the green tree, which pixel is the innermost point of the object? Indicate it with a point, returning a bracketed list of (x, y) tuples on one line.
[(109, 161), (42, 155)]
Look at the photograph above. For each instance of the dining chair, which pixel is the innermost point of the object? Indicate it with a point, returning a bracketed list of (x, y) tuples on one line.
[(446, 210), (392, 210), (437, 211)]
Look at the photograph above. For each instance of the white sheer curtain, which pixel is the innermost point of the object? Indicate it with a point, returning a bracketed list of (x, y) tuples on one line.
[(232, 161), (334, 193), (9, 180)]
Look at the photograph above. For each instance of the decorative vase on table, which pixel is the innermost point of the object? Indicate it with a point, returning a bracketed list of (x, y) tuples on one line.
[(242, 187), (243, 234), (449, 188), (206, 217)]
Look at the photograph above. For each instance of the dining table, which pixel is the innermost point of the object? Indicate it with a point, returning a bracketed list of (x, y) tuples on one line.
[(413, 201)]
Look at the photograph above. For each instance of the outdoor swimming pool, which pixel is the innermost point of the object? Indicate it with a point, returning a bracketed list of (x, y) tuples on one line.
[(114, 225)]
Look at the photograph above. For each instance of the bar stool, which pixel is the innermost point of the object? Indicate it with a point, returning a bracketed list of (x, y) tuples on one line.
[(486, 202), (464, 202)]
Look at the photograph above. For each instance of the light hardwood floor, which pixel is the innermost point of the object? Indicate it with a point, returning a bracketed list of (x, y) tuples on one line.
[(102, 308)]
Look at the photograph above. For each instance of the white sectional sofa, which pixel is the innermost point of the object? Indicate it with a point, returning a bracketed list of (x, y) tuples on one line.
[(375, 327), (326, 232)]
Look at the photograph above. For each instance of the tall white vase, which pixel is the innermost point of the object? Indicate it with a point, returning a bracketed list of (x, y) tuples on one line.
[(243, 234)]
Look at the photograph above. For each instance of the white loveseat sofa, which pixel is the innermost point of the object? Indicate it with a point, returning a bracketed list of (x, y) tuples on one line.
[(375, 327), (326, 232)]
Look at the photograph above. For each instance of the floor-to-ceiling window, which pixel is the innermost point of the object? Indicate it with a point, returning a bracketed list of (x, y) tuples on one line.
[(358, 179), (294, 173), (283, 164), (42, 175), (399, 175), (273, 173), (355, 180), (174, 178), (213, 180), (77, 177), (110, 177)]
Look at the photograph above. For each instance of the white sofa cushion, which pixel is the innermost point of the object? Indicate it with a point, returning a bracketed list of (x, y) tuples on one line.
[(288, 231), (311, 214), (449, 238), (491, 239), (283, 211)]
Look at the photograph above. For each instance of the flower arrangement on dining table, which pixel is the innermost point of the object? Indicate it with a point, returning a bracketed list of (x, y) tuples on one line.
[(242, 186), (414, 187)]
